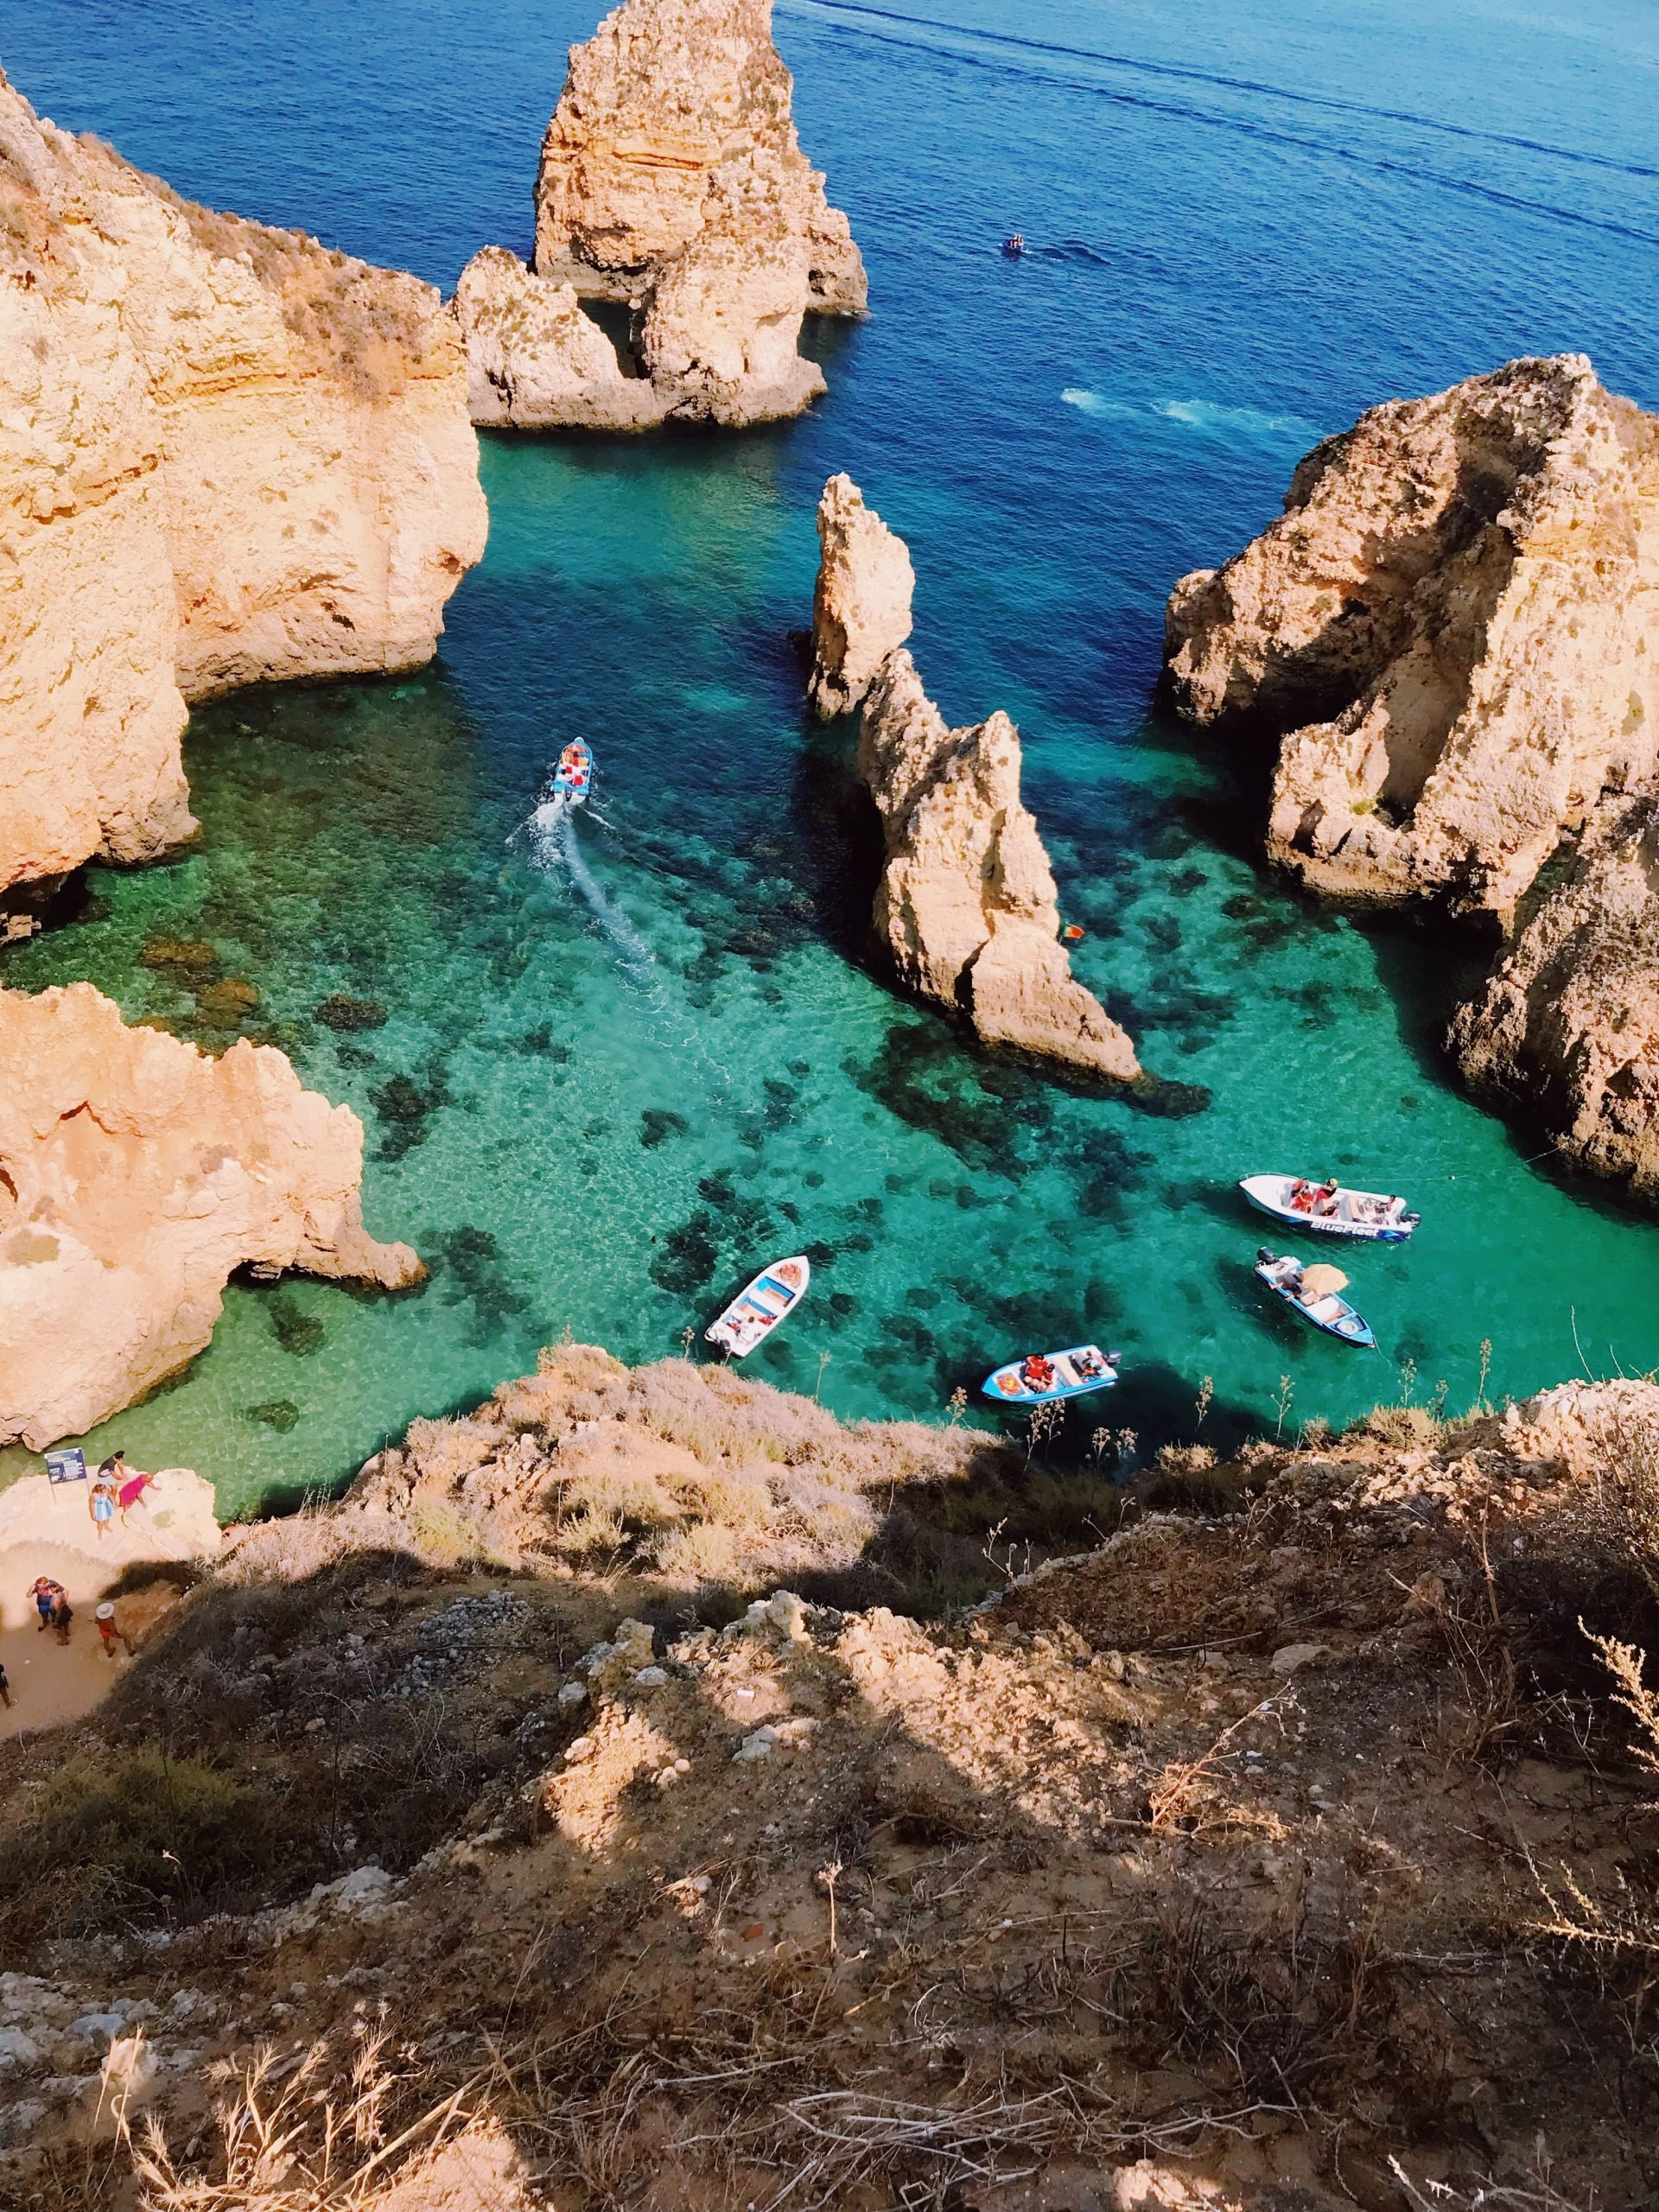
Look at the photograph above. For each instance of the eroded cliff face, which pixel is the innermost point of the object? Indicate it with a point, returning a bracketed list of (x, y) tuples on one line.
[(534, 361), (1455, 627), (966, 909), (671, 179), (227, 455), (1569, 1021), (861, 607), (674, 127), (136, 1175)]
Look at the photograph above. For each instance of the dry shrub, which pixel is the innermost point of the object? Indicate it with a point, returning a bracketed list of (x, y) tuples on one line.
[(448, 1450), (1627, 1497), (1625, 1923), (705, 1554), (1404, 1426), (126, 1835)]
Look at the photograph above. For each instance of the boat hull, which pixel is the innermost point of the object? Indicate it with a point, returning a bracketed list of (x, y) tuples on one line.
[(1331, 1316), (1008, 1388), (762, 1303), (1260, 1191)]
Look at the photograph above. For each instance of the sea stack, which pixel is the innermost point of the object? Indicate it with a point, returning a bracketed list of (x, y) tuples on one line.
[(136, 1175), (1454, 630), (966, 911), (670, 180), (230, 455), (674, 127)]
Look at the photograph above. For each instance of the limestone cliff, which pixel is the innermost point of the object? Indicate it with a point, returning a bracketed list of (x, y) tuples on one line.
[(136, 1175), (674, 126), (1454, 626), (1569, 1021), (227, 455), (861, 609), (967, 906), (534, 361), (966, 909)]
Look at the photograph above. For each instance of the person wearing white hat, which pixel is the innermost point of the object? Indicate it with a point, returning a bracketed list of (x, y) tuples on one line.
[(109, 1635)]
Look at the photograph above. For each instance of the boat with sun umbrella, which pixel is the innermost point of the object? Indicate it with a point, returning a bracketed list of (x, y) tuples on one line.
[(1042, 1376), (760, 1305), (1330, 1208), (1313, 1293)]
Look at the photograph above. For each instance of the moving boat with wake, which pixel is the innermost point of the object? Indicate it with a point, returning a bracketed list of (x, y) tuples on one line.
[(573, 779), (1312, 1293), (1330, 1209), (760, 1305), (1043, 1377)]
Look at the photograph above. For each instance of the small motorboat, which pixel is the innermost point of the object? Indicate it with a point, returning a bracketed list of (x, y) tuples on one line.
[(1042, 1376), (573, 777), (1330, 1209), (760, 1305), (1014, 245), (1312, 1292)]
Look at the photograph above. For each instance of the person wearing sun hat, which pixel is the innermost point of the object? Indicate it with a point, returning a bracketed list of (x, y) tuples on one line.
[(109, 1635)]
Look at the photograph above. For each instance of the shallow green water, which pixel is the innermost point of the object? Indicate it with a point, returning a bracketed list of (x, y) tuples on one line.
[(1236, 245), (602, 1128)]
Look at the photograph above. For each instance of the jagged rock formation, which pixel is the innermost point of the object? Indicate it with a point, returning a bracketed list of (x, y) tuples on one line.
[(966, 909), (719, 337), (1455, 624), (227, 455), (1569, 1021), (671, 179), (861, 609), (534, 361), (717, 343), (135, 1176), (673, 128)]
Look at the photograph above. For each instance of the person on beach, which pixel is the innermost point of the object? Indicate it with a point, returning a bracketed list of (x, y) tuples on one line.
[(109, 1633), (110, 1470), (131, 1493), (5, 1690), (62, 1612), (101, 1501), (45, 1593)]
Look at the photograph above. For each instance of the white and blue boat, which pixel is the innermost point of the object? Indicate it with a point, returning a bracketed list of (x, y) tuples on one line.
[(573, 779), (1312, 1293), (760, 1305), (1330, 1210), (1041, 1377)]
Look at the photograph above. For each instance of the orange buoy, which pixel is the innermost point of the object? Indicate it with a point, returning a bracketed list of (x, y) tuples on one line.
[(1071, 933)]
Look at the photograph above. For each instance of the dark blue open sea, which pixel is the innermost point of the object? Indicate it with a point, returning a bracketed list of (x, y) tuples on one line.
[(596, 1112)]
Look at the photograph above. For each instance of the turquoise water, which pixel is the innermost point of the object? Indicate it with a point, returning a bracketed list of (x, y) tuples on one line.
[(594, 1101)]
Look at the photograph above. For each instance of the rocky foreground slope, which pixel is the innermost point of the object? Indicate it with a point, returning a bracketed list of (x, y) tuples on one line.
[(671, 178), (136, 1175), (1275, 1848), (967, 910), (1453, 630), (227, 455)]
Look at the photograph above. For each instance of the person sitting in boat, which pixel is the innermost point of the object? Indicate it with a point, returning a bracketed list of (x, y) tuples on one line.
[(1301, 1196), (1087, 1366), (1325, 1198), (1036, 1372)]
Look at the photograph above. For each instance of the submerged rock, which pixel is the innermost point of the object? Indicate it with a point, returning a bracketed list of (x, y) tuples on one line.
[(1569, 1019), (861, 609), (135, 1176), (674, 129), (1449, 627), (230, 455), (966, 909)]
